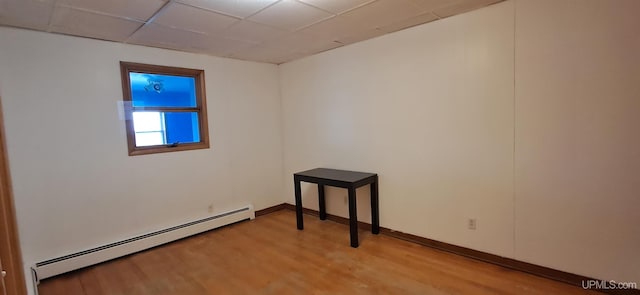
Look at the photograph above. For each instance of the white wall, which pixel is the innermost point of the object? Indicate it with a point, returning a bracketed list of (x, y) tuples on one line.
[(577, 137), (550, 167), (75, 186), (430, 109)]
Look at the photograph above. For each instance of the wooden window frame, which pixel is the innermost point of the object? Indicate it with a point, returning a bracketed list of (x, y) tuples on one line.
[(201, 107)]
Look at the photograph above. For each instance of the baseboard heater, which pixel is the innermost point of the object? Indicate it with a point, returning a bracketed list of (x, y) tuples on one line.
[(63, 264)]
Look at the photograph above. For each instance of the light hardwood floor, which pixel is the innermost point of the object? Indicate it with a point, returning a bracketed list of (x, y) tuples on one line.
[(270, 256)]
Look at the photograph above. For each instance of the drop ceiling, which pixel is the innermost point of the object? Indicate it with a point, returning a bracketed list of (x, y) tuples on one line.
[(272, 31)]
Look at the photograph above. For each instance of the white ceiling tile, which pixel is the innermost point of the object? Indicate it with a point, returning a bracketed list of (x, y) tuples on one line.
[(320, 46), (334, 28), (33, 14), (274, 31), (161, 36), (336, 6), (252, 32), (300, 42), (165, 37), (172, 46), (238, 8), (134, 9), (407, 23), (430, 5), (291, 41), (462, 6), (225, 46), (194, 19), (383, 13), (278, 55), (82, 23), (289, 15), (361, 36), (267, 54), (258, 53), (287, 58)]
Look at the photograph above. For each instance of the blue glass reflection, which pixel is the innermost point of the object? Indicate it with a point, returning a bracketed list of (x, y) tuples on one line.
[(154, 90), (182, 127)]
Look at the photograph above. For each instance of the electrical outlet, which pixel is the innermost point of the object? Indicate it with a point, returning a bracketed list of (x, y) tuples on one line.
[(472, 224), (210, 208)]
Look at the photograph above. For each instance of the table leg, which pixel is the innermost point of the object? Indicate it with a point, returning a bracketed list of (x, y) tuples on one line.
[(323, 209), (298, 192), (353, 218), (375, 210)]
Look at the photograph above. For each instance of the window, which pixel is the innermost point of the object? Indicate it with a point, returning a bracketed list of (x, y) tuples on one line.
[(149, 128), (165, 108)]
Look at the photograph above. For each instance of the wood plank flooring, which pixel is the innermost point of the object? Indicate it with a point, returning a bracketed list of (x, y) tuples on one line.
[(270, 256)]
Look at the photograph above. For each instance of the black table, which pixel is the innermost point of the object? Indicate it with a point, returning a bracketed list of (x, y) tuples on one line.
[(350, 180)]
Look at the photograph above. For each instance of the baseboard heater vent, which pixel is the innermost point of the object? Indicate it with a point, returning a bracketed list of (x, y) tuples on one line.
[(63, 264)]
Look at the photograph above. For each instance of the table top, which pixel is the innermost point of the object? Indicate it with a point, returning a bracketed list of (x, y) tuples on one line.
[(337, 175)]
